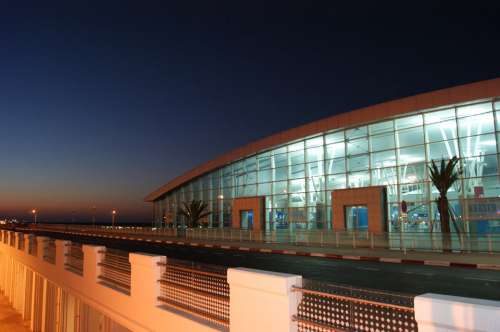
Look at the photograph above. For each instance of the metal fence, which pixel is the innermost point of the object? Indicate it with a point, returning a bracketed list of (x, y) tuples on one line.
[(199, 289), (33, 245), (74, 258), (49, 251), (21, 243), (404, 241), (115, 270), (329, 307)]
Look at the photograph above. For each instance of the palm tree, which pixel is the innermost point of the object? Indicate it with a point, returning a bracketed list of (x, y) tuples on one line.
[(194, 212), (443, 178)]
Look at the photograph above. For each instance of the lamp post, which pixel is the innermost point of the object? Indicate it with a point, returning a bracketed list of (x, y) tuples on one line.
[(113, 215), (34, 212)]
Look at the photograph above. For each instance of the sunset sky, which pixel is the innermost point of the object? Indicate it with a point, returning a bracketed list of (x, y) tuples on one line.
[(103, 102)]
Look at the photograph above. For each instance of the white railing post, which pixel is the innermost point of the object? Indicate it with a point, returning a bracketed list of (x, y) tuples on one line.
[(92, 256), (262, 300), (144, 285), (435, 312)]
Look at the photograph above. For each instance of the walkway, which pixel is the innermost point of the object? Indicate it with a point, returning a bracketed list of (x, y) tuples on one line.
[(10, 320)]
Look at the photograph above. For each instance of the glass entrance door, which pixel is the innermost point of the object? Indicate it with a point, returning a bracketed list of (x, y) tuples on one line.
[(246, 219), (356, 218)]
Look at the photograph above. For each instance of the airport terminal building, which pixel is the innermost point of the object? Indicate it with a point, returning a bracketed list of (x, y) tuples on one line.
[(354, 170)]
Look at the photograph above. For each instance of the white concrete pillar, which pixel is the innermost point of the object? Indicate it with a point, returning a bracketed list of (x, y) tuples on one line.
[(92, 255), (444, 313), (144, 286), (262, 300)]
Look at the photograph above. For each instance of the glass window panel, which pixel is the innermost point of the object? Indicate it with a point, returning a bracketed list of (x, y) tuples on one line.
[(280, 187), (414, 192), (358, 163), (474, 109), (441, 131), (334, 137), (392, 193), (251, 177), (381, 127), (280, 201), (333, 166), (357, 146), (314, 169), (316, 183), (384, 176), (480, 166), (281, 174), (251, 164), (412, 173), (316, 141), (478, 145), (264, 189), (383, 159), (412, 136), (314, 154), (227, 181), (250, 190), (411, 155), (337, 181), (336, 150), (382, 142), (356, 132), (264, 163), (265, 175), (453, 192), (439, 116), (359, 179), (476, 125), (238, 167), (296, 146), (297, 200), (497, 105), (488, 186), (280, 150), (297, 171), (281, 160), (296, 157), (443, 150), (296, 186), (497, 120), (409, 121)]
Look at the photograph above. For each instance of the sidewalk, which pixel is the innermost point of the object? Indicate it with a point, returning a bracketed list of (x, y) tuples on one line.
[(10, 320), (452, 259)]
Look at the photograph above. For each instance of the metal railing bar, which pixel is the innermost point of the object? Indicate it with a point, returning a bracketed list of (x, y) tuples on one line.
[(195, 291), (182, 307), (351, 299), (316, 324)]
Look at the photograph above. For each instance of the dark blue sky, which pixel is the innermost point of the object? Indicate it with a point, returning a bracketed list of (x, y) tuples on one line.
[(103, 102)]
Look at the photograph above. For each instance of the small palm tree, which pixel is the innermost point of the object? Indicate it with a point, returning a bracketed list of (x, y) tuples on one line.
[(194, 212), (443, 178)]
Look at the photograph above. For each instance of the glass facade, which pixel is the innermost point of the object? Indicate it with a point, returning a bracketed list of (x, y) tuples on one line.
[(297, 178)]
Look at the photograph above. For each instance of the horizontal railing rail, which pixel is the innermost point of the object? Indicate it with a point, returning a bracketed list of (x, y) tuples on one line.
[(74, 258), (49, 251), (115, 270), (199, 289)]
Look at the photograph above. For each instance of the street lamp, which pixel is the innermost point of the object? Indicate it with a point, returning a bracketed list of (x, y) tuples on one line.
[(113, 215), (34, 212)]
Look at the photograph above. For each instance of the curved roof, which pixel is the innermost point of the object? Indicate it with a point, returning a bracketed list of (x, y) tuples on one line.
[(455, 95)]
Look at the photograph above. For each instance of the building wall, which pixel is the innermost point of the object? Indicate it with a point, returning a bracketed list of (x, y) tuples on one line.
[(297, 178)]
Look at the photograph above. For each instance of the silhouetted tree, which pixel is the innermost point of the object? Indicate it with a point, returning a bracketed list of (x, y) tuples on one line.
[(443, 178), (194, 211)]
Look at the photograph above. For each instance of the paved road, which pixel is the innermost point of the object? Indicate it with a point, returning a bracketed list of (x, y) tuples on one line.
[(413, 279)]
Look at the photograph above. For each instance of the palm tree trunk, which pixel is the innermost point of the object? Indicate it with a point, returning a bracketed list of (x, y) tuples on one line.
[(444, 214)]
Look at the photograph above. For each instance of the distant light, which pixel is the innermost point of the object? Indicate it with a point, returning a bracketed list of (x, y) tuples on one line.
[(113, 212), (220, 197), (33, 211)]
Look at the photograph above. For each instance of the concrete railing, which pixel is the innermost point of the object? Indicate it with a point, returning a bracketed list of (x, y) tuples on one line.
[(53, 298)]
